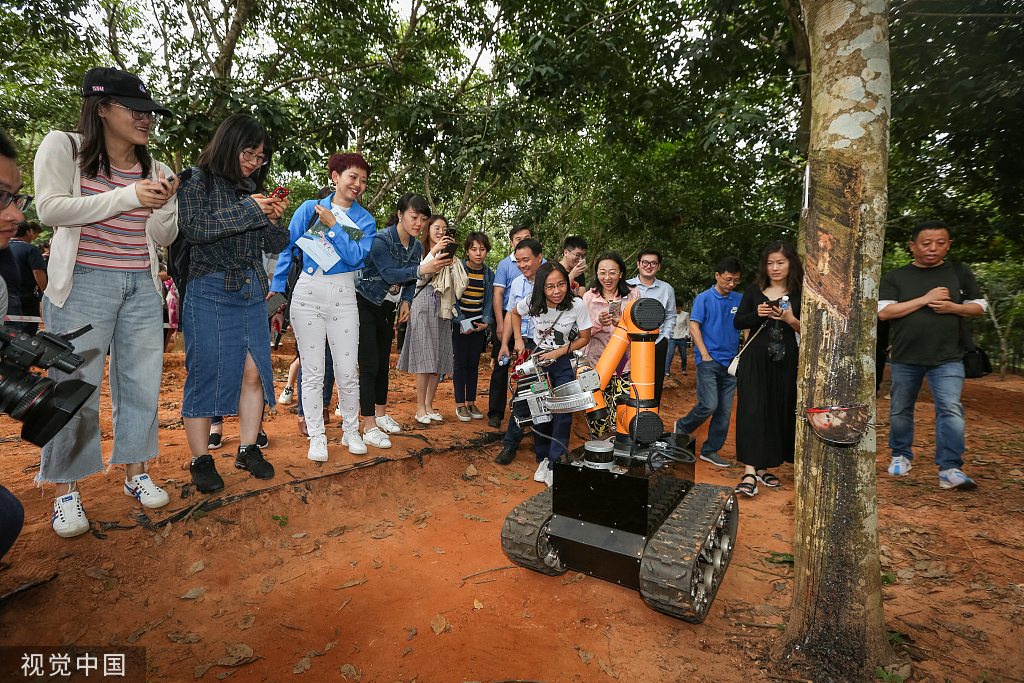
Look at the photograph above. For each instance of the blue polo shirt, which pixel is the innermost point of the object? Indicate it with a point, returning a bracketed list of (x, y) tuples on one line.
[(715, 314), (506, 272)]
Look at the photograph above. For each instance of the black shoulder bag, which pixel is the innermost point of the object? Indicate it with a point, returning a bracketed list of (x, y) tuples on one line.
[(976, 363)]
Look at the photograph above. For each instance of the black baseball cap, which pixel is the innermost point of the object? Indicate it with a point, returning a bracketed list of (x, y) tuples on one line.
[(124, 88)]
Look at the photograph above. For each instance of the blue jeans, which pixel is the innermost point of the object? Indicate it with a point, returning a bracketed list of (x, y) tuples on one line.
[(946, 382), (674, 344), (560, 427), (124, 310), (715, 390), (514, 433)]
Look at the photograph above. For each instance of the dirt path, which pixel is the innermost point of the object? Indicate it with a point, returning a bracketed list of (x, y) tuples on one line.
[(370, 558)]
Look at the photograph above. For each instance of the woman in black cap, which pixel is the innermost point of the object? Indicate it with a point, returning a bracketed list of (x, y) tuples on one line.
[(114, 207)]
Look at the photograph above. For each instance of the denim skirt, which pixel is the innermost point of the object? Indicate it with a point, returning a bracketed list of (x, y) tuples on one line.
[(220, 328)]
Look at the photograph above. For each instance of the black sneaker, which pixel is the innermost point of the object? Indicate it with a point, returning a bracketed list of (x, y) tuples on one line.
[(215, 442), (204, 474), (251, 459), (261, 439), (506, 456), (494, 421)]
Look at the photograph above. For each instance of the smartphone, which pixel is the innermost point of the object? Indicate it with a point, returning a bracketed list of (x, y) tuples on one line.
[(615, 308), (280, 193), (275, 302), (451, 248)]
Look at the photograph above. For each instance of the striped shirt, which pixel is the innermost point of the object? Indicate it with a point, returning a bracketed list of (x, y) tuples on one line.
[(472, 301), (119, 242)]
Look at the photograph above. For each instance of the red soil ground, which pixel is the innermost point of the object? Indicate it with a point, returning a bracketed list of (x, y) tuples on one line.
[(369, 558)]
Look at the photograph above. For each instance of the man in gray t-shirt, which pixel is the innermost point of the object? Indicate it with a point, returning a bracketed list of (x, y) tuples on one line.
[(924, 302)]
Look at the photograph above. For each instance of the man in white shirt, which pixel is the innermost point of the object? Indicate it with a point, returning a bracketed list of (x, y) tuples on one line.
[(678, 340), (648, 264)]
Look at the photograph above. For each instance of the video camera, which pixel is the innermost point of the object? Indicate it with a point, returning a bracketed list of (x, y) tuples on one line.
[(41, 404)]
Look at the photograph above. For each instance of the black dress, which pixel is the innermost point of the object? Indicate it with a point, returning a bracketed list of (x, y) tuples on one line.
[(765, 388)]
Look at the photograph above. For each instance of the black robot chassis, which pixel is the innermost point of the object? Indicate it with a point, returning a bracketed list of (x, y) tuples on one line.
[(641, 523)]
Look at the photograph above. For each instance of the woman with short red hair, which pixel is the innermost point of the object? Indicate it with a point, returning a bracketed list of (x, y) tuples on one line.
[(331, 237)]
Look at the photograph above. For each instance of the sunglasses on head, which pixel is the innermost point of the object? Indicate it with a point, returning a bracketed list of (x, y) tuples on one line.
[(21, 201)]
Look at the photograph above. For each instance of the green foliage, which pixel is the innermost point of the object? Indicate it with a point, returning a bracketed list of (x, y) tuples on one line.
[(282, 519), (888, 579), (893, 678)]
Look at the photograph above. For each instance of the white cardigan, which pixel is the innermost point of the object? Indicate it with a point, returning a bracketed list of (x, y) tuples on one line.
[(59, 203)]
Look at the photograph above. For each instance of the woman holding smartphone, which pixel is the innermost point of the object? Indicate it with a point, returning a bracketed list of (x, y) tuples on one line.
[(605, 299), (561, 325), (226, 217), (392, 269), (323, 308), (766, 378), (427, 350), (474, 313), (115, 207)]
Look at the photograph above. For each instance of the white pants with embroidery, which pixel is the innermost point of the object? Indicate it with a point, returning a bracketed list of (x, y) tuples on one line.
[(323, 311)]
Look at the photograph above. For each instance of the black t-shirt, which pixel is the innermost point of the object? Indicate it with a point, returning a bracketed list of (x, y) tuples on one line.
[(29, 258), (925, 337), (11, 274)]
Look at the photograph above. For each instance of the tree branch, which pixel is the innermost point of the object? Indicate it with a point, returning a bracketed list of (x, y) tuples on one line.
[(205, 6), (115, 52), (198, 35), (323, 76), (386, 187), (227, 51), (163, 33), (603, 17), (958, 16), (477, 199)]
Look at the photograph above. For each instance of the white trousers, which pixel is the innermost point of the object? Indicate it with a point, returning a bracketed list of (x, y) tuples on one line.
[(324, 312)]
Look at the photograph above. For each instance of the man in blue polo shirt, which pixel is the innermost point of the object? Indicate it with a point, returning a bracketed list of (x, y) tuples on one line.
[(715, 343)]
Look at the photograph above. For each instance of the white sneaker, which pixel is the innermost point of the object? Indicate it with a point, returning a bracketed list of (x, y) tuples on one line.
[(542, 472), (68, 516), (376, 437), (899, 466), (549, 477), (337, 411), (387, 424), (436, 417), (286, 397), (142, 488), (318, 448), (354, 442)]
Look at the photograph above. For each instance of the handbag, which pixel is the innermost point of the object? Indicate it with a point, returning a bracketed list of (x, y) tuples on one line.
[(735, 364), (976, 363)]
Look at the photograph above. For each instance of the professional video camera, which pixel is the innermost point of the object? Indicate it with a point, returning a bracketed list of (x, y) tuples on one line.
[(43, 405)]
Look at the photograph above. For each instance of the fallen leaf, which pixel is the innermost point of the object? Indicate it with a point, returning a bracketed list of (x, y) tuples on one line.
[(202, 669), (579, 576), (167, 530), (477, 604), (460, 496), (109, 584), (376, 564), (195, 593), (197, 566), (605, 668), (343, 605), (906, 573), (302, 665), (515, 475), (349, 672), (96, 573), (587, 657), (267, 584), (236, 653), (246, 622), (494, 480), (471, 471), (135, 635), (475, 518), (412, 632), (957, 508), (423, 516), (221, 677), (438, 551), (184, 637), (338, 531), (351, 582), (437, 624)]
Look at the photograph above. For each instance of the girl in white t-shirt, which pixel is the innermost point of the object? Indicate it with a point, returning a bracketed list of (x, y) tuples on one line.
[(561, 324)]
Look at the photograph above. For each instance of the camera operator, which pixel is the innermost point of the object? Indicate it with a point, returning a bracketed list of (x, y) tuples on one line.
[(115, 207), (12, 514)]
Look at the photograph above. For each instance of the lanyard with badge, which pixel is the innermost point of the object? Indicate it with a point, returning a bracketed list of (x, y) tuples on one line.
[(527, 323)]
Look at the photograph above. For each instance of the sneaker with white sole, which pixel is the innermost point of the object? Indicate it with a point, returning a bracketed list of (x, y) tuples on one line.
[(900, 465), (462, 413), (354, 442), (549, 476), (714, 459), (287, 396), (337, 411), (69, 516), (542, 472), (142, 488), (387, 424), (955, 479), (377, 438), (318, 448)]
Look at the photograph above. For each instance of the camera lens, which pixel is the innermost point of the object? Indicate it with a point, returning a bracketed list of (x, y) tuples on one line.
[(44, 406)]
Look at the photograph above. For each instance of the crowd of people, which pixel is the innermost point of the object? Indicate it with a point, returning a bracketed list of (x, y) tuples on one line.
[(343, 284)]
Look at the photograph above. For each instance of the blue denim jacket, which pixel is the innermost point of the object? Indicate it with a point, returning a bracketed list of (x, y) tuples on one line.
[(487, 317), (390, 263)]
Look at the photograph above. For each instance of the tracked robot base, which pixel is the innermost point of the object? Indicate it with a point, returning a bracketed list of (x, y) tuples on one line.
[(625, 507)]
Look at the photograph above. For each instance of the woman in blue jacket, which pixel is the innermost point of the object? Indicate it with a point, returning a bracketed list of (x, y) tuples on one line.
[(474, 313), (323, 307), (389, 277)]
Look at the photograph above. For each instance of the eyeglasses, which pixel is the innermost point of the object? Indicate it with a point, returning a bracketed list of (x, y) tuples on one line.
[(21, 201), (138, 115), (250, 155), (608, 273), (650, 264), (560, 285), (578, 255)]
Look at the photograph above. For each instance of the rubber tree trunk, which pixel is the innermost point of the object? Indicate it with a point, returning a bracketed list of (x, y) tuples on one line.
[(836, 627)]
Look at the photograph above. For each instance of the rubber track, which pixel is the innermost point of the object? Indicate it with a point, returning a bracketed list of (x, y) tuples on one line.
[(664, 496), (521, 530), (672, 554)]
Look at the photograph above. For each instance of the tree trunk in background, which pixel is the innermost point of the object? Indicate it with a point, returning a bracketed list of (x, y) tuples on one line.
[(836, 628)]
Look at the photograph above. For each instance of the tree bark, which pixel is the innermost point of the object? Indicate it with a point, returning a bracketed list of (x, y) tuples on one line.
[(837, 629)]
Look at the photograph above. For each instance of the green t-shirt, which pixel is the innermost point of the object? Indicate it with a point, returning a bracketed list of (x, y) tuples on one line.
[(925, 337)]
